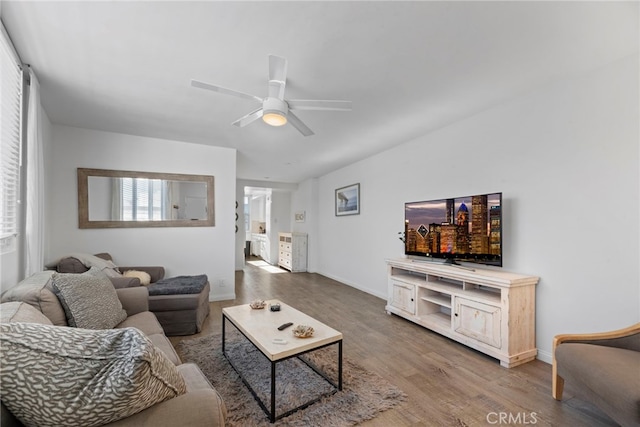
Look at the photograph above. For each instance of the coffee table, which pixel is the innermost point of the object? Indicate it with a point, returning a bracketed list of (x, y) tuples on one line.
[(260, 327)]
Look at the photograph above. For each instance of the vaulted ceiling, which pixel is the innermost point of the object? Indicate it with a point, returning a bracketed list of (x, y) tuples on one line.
[(409, 67)]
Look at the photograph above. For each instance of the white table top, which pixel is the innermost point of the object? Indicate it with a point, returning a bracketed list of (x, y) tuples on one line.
[(261, 327)]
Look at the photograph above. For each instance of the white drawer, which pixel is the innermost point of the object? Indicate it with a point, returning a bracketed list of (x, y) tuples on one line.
[(285, 263), (285, 247)]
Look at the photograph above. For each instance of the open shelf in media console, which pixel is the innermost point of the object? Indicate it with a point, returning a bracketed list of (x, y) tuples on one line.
[(438, 299), (491, 296), (439, 318), (408, 276), (440, 285), (461, 288)]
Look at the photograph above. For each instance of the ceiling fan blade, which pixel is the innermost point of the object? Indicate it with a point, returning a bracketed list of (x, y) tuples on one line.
[(317, 104), (202, 85), (249, 118), (297, 123), (277, 76)]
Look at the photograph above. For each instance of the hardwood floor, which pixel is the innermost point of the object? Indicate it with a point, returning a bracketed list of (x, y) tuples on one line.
[(447, 383)]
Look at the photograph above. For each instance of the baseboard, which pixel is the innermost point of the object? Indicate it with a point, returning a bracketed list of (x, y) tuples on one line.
[(545, 356), (222, 297), (355, 285)]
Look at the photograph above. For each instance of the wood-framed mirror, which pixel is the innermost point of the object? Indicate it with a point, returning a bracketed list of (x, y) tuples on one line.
[(128, 199)]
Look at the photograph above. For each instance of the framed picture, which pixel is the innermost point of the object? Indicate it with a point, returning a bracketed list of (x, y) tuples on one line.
[(299, 216), (348, 200)]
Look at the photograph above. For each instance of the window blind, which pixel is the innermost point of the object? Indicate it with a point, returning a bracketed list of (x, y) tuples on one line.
[(141, 199), (126, 203), (10, 142)]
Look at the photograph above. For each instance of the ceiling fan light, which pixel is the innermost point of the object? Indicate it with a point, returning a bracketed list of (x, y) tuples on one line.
[(274, 118)]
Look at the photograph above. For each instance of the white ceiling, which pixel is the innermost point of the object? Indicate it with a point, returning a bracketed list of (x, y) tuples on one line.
[(408, 67)]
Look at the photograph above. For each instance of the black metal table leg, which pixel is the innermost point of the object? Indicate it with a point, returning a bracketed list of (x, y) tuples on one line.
[(273, 392), (223, 334), (340, 365)]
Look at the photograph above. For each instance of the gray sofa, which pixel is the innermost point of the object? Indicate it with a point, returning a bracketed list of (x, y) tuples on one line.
[(603, 369), (201, 405), (178, 313)]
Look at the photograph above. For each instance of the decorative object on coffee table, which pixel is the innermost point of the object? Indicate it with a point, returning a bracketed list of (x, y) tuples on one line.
[(257, 304), (302, 331)]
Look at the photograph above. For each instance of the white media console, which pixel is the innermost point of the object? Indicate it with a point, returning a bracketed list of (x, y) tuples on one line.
[(488, 310)]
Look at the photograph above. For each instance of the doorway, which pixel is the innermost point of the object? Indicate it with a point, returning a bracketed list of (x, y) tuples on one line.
[(267, 212)]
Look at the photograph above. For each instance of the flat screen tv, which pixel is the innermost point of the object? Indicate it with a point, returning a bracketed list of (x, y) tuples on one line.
[(458, 229)]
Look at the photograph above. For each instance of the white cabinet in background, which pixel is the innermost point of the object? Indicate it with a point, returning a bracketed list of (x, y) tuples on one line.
[(292, 251), (259, 245)]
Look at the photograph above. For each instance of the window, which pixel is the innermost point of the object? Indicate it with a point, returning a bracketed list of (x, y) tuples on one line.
[(10, 142), (143, 199)]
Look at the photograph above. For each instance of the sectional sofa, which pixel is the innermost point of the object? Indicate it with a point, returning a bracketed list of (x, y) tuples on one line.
[(34, 308)]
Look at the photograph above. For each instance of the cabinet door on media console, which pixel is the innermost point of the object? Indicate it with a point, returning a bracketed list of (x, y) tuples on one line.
[(404, 296), (478, 321)]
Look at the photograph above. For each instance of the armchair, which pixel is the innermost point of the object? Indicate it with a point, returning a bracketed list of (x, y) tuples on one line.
[(603, 369)]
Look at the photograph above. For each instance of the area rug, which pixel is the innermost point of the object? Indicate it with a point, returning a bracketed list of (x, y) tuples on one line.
[(364, 394)]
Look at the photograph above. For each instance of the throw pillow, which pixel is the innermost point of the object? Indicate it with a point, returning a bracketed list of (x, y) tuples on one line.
[(17, 311), (55, 375), (105, 265), (143, 276), (36, 290), (89, 299)]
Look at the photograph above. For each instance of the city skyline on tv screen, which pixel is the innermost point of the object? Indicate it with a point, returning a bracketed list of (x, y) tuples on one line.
[(465, 228)]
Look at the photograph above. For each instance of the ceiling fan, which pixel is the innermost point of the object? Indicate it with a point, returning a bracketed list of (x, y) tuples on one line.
[(275, 110)]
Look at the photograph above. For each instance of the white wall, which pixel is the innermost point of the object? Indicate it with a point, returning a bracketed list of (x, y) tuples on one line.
[(306, 200), (183, 250), (565, 157)]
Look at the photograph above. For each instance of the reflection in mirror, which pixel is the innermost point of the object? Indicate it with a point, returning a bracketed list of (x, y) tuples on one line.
[(143, 199), (109, 198)]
